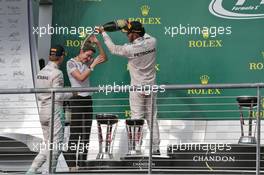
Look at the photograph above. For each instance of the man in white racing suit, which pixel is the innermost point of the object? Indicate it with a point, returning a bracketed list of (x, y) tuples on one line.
[(141, 54), (50, 77)]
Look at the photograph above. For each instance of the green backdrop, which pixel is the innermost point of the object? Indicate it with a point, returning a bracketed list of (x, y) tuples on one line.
[(234, 55)]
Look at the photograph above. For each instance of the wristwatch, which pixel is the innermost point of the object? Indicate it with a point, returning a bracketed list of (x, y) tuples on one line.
[(92, 69)]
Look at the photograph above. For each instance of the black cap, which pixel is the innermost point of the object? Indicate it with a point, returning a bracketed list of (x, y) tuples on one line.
[(134, 27), (57, 50)]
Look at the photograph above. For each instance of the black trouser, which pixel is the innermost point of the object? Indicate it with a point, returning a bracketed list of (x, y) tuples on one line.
[(80, 127)]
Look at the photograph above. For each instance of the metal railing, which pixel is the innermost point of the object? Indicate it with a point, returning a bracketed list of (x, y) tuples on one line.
[(178, 105)]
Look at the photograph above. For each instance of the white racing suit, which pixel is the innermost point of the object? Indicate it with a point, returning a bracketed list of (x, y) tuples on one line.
[(50, 77), (141, 56)]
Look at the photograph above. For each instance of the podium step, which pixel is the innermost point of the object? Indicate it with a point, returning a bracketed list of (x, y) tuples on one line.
[(203, 157)]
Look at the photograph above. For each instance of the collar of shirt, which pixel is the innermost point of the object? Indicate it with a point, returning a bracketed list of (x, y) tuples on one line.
[(52, 64), (138, 40), (77, 61)]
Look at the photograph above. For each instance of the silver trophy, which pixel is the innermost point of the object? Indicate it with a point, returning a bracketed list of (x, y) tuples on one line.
[(134, 129), (247, 103), (107, 125)]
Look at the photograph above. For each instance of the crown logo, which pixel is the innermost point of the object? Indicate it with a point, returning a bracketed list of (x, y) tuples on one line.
[(82, 34), (204, 79), (205, 33), (145, 10)]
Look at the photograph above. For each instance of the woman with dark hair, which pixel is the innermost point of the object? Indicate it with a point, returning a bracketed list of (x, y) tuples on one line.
[(81, 104)]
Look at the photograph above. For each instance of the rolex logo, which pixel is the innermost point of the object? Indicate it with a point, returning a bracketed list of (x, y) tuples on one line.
[(204, 79), (127, 113), (145, 10), (144, 18)]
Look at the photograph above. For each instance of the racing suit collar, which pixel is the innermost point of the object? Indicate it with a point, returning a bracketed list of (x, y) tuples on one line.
[(137, 40), (53, 64)]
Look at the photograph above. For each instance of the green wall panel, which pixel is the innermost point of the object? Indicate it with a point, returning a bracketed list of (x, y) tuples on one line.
[(234, 57)]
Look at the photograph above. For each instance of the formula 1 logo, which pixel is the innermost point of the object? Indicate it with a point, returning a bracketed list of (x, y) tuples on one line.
[(238, 9)]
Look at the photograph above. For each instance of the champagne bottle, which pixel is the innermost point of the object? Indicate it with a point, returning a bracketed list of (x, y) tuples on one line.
[(115, 25)]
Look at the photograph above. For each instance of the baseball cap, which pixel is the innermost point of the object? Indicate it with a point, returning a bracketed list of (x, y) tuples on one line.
[(134, 27), (57, 50)]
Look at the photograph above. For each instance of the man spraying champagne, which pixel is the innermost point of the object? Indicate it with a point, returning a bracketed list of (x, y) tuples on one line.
[(141, 55)]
